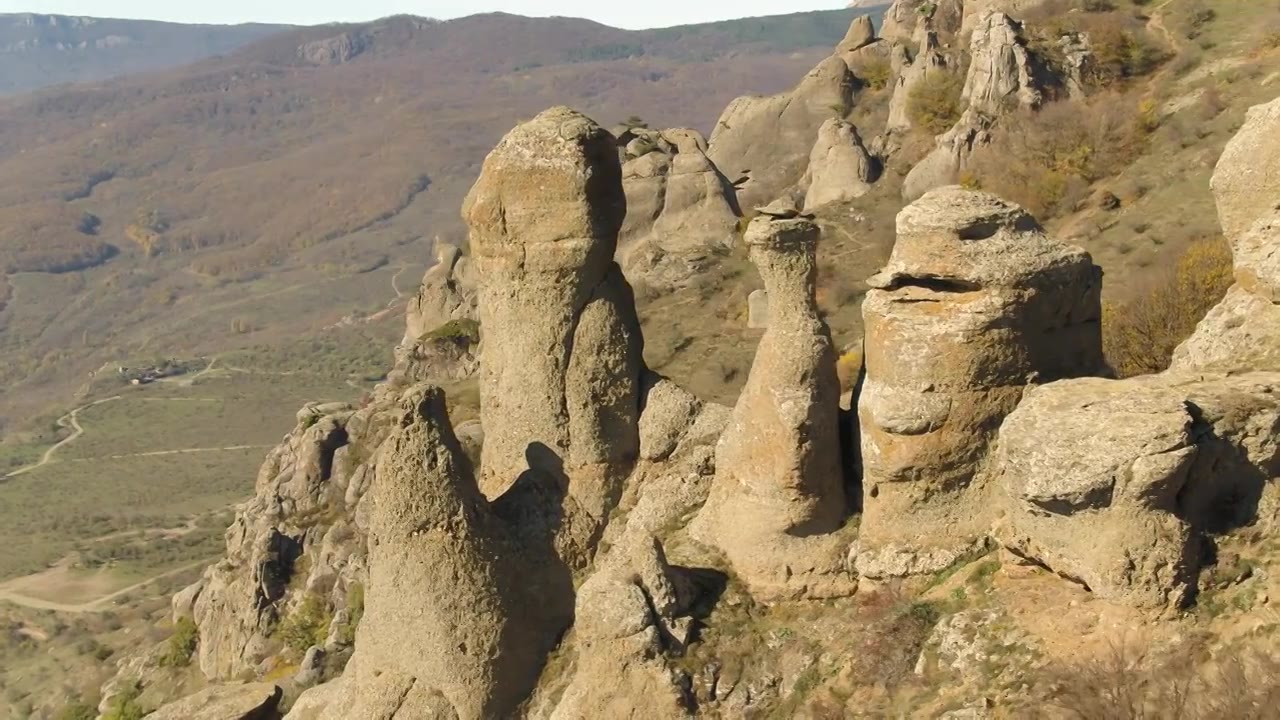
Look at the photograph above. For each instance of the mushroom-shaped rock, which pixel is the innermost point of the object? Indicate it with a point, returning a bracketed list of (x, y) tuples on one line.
[(1114, 483), (778, 498), (560, 373), (840, 168), (460, 613), (975, 304), (1243, 331)]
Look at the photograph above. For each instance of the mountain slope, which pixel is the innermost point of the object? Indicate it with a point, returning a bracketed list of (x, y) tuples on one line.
[(41, 50), (294, 168)]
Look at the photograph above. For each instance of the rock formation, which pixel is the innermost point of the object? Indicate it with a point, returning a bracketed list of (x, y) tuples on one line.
[(778, 495), (629, 612), (447, 293), (238, 602), (681, 211), (1115, 483), (560, 377), (905, 18), (1121, 484), (975, 304), (1243, 332), (910, 73), (1001, 76), (763, 144), (461, 609), (254, 701), (840, 168)]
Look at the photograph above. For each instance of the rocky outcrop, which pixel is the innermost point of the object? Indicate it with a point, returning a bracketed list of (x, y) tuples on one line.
[(682, 213), (1243, 332), (763, 144), (560, 377), (840, 168), (255, 701), (910, 73), (975, 304), (1115, 484), (1001, 77), (462, 604), (905, 18), (630, 613), (447, 293), (306, 502), (778, 497)]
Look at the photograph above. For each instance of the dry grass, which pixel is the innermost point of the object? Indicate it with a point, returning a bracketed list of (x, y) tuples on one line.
[(934, 102)]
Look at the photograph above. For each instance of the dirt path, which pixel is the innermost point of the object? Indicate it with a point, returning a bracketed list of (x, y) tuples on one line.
[(70, 420), (395, 284), (101, 604)]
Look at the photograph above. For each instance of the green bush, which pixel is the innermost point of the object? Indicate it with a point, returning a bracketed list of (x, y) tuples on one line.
[(125, 705), (307, 626), (182, 643), (355, 607), (78, 711), (934, 103), (456, 330)]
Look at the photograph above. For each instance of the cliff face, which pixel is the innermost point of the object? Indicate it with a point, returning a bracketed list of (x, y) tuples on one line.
[(603, 543)]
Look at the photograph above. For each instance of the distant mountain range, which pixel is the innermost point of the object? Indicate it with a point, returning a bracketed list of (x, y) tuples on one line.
[(41, 50)]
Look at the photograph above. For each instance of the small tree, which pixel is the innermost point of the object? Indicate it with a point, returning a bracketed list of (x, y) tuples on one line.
[(182, 643)]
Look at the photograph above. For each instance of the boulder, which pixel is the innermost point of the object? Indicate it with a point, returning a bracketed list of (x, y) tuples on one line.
[(840, 168), (778, 498), (255, 701), (629, 613), (975, 304), (1243, 331), (762, 144), (560, 374), (1116, 483)]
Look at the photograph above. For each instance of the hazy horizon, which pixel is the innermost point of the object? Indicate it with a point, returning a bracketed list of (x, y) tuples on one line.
[(657, 13)]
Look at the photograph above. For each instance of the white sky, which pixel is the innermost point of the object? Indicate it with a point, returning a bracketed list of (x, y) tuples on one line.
[(618, 13)]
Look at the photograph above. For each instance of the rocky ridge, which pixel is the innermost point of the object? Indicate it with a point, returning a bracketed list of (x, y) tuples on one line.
[(611, 517)]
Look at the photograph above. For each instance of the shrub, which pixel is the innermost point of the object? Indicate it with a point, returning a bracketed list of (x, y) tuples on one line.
[(934, 103), (78, 711), (181, 644), (457, 330), (1044, 160), (875, 72), (355, 607), (1121, 53), (125, 705), (307, 626), (1140, 335)]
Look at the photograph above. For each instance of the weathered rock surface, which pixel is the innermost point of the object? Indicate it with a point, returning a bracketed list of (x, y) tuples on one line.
[(449, 353), (911, 72), (758, 310), (447, 293), (767, 140), (560, 377), (629, 613), (1243, 332), (1001, 77), (682, 213), (905, 18), (1115, 483), (778, 497), (256, 701), (238, 601), (840, 168), (460, 613), (975, 304)]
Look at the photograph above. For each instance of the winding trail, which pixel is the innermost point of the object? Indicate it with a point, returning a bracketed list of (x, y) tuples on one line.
[(70, 420), (103, 603)]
